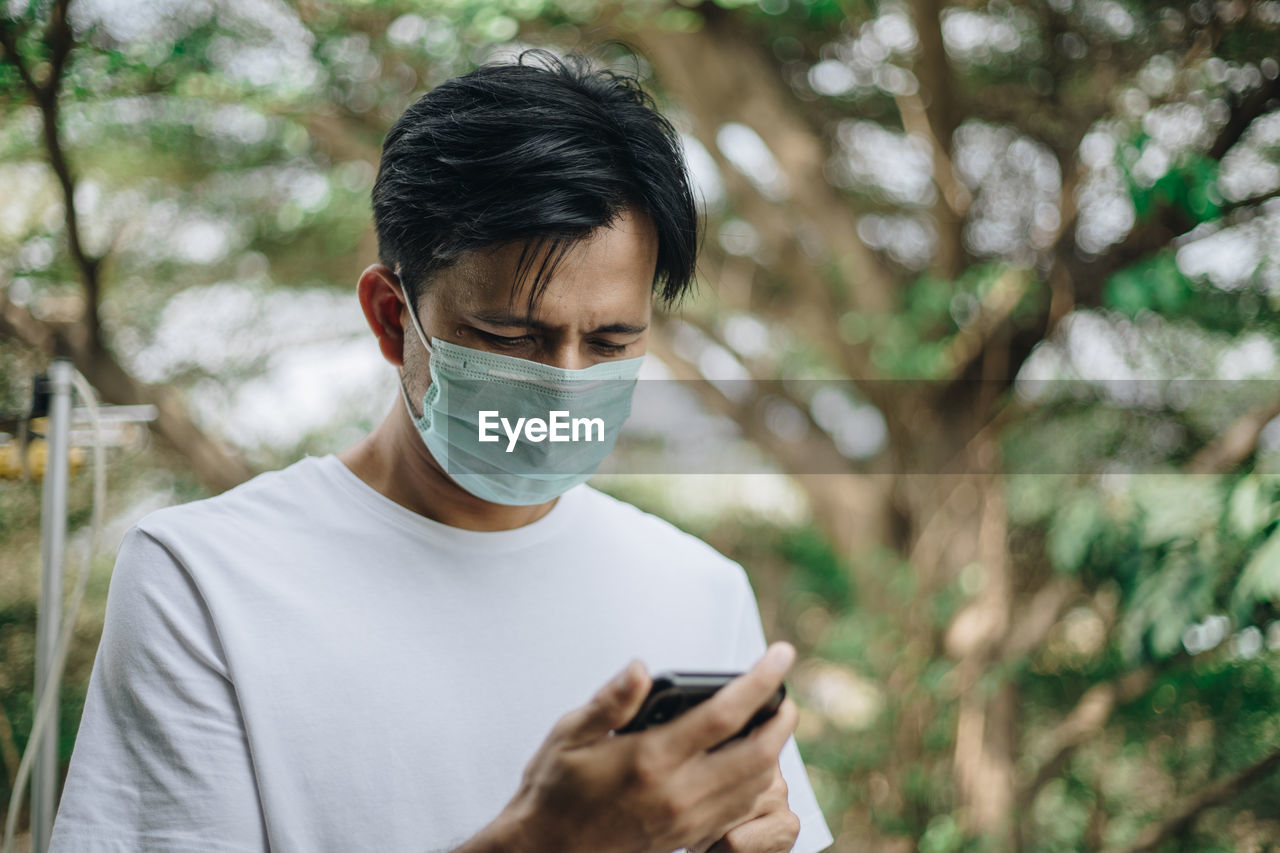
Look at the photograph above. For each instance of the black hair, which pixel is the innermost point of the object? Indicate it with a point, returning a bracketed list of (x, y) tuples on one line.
[(545, 153)]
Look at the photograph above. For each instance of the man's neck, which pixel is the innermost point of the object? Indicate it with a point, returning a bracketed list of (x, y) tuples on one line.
[(394, 461)]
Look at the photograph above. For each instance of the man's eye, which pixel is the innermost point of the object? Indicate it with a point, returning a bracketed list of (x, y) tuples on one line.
[(605, 346), (502, 341)]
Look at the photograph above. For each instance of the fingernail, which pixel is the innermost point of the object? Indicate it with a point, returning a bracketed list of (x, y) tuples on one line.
[(624, 678), (779, 657)]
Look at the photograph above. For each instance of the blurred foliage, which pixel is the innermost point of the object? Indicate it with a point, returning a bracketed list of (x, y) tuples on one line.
[(223, 154)]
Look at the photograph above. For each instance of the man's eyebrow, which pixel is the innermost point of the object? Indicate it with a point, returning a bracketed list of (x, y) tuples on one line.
[(501, 318), (620, 329)]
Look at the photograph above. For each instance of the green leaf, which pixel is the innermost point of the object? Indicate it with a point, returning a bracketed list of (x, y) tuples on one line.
[(1260, 580), (1249, 509), (1178, 592), (1073, 531), (1177, 508), (943, 835)]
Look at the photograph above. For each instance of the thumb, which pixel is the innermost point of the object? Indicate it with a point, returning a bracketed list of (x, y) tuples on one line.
[(610, 708)]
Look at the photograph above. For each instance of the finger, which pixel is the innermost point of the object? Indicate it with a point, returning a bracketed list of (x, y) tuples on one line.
[(773, 802), (771, 799), (774, 833), (725, 713), (737, 784), (610, 708), (773, 733), (749, 760), (778, 791), (774, 799), (757, 752)]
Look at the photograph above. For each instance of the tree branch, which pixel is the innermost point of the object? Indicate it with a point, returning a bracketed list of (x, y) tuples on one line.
[(1037, 616), (8, 748), (775, 388), (1217, 793), (1078, 281), (969, 344), (850, 508), (18, 323), (210, 461), (1086, 720), (706, 71), (1246, 109), (814, 311), (82, 341), (1235, 444), (1251, 201), (934, 71), (820, 452), (932, 116), (339, 137), (915, 119), (60, 41), (1167, 223), (719, 74)]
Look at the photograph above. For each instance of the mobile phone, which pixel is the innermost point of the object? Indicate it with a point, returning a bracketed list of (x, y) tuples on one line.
[(673, 693)]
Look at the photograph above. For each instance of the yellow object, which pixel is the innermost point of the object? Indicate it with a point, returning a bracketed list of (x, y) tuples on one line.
[(10, 464), (37, 458)]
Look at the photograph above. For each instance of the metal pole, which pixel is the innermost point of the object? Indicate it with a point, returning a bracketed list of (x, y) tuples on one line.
[(53, 535)]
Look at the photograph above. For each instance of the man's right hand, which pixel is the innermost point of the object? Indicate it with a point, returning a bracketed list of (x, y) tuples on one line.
[(589, 790)]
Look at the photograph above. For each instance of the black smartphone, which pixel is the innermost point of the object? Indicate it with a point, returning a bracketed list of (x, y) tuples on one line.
[(673, 693)]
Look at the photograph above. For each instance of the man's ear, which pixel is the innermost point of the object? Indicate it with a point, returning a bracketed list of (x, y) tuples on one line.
[(382, 300)]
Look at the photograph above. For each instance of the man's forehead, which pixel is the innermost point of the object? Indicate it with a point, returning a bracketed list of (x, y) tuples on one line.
[(600, 279)]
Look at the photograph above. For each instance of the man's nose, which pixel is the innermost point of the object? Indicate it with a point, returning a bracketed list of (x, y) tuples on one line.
[(567, 355)]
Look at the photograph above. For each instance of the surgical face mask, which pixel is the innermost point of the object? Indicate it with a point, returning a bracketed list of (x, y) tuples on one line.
[(517, 432)]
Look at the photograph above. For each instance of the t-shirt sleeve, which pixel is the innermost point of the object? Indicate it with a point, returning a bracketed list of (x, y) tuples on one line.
[(814, 834), (161, 760)]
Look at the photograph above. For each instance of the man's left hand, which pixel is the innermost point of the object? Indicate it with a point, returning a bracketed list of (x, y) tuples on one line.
[(773, 829)]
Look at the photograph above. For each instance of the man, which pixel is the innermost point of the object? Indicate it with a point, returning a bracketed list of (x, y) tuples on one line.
[(402, 647)]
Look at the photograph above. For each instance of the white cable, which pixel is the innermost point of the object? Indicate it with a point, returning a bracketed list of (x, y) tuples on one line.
[(49, 697)]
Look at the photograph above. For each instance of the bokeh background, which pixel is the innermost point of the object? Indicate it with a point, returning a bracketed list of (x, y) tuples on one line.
[(987, 301)]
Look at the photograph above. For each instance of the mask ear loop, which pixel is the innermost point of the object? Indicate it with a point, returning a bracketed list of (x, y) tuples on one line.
[(413, 314), (422, 336)]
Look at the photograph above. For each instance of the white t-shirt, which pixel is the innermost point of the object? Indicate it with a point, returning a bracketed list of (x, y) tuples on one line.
[(302, 664)]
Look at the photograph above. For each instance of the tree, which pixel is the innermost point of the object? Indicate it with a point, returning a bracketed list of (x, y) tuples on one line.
[(946, 222)]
